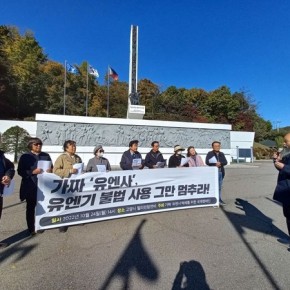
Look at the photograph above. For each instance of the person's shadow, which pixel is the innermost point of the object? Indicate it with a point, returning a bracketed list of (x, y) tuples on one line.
[(253, 219), (16, 247), (135, 258), (190, 276)]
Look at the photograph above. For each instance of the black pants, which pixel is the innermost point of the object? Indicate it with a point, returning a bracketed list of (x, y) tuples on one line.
[(1, 205), (30, 212), (286, 212)]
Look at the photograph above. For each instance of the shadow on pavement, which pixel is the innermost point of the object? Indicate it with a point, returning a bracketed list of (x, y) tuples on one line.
[(190, 276), (135, 259), (15, 247), (12, 205), (274, 201), (17, 237), (255, 220)]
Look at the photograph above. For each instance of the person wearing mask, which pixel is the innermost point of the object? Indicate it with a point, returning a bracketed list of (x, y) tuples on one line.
[(28, 169), (175, 159), (6, 174), (218, 159), (98, 163), (64, 165), (194, 160), (154, 157), (282, 190), (132, 159)]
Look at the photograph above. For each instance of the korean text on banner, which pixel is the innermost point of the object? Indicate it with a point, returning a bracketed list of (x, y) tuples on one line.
[(97, 196)]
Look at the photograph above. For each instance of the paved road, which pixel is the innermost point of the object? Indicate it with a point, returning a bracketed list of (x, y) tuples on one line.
[(233, 247)]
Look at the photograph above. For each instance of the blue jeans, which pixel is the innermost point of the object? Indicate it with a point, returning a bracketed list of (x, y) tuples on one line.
[(220, 184)]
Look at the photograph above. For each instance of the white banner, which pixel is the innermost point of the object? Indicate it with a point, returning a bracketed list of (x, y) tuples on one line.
[(99, 196)]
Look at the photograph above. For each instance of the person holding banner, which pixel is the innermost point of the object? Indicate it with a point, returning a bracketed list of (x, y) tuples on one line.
[(194, 160), (218, 159), (98, 163), (132, 159), (30, 165), (177, 159), (154, 159), (68, 163), (6, 174)]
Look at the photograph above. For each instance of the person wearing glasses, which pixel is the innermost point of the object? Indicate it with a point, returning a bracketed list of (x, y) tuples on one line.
[(98, 163), (28, 169)]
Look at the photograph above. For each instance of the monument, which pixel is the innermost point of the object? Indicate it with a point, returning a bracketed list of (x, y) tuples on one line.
[(135, 110)]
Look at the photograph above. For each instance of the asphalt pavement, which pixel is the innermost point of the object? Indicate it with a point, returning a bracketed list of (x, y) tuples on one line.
[(231, 247)]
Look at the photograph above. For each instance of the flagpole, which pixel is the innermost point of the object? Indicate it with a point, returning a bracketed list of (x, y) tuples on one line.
[(64, 88), (108, 96), (87, 89)]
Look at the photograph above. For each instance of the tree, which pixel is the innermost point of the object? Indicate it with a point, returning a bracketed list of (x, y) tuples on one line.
[(262, 128), (14, 140), (6, 89), (24, 57), (220, 107), (148, 92), (279, 141), (118, 99), (54, 87)]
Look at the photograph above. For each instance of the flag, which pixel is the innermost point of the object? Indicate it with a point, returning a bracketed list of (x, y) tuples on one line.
[(93, 72), (113, 74), (71, 69)]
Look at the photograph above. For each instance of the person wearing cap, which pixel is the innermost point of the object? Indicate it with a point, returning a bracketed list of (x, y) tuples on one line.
[(28, 169), (218, 159), (132, 157), (98, 162), (154, 156), (175, 159)]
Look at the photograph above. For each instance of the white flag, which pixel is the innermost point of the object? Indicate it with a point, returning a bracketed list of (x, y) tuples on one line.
[(93, 71)]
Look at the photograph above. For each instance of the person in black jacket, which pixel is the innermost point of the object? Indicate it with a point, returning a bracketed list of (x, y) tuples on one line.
[(218, 159), (6, 174), (175, 159), (282, 191), (28, 169), (128, 156), (154, 156)]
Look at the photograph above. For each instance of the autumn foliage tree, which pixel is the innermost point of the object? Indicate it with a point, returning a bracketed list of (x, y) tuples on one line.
[(30, 83)]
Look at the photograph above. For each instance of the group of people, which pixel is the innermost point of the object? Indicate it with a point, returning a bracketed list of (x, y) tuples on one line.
[(64, 166), (132, 159), (28, 169)]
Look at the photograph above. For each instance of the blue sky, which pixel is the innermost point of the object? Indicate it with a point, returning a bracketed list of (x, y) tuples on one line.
[(243, 44)]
